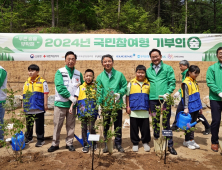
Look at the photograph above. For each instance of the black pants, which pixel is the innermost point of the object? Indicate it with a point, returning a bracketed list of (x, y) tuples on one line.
[(90, 123), (216, 108), (142, 124), (39, 122), (180, 108), (153, 104), (190, 136), (117, 123)]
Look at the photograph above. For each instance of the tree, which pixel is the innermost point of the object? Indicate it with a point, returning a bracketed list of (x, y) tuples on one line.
[(53, 13)]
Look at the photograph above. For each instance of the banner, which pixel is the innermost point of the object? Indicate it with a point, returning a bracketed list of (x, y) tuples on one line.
[(175, 47)]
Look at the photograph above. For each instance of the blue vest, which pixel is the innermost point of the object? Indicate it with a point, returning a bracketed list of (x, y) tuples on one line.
[(139, 96)]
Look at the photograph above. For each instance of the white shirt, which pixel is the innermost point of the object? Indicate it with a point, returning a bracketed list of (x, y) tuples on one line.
[(109, 74)]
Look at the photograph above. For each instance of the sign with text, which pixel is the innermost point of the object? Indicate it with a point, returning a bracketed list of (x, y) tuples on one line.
[(174, 47), (167, 133)]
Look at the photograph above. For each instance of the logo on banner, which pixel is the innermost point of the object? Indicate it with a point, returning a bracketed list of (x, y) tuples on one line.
[(143, 56), (32, 56), (170, 56), (194, 43), (124, 56)]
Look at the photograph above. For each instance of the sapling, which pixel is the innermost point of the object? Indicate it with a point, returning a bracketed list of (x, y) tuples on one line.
[(156, 122), (17, 120)]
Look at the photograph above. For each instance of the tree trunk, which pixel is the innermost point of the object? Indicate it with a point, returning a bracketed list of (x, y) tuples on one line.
[(215, 10), (159, 9), (172, 15), (53, 13), (57, 8), (186, 18), (118, 13), (11, 16)]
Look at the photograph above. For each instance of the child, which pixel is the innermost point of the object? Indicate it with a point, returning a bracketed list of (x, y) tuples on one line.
[(83, 107), (137, 106), (184, 66), (37, 105), (191, 102)]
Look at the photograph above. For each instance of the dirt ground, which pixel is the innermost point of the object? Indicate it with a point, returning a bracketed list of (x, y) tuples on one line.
[(39, 158)]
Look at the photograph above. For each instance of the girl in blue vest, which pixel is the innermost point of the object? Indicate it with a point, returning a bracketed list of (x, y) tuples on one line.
[(137, 106), (191, 102)]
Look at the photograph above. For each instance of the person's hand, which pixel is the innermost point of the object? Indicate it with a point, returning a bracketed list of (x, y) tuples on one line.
[(176, 95), (71, 110), (45, 107), (220, 95), (117, 96), (165, 96), (186, 111), (201, 112), (72, 99), (128, 110)]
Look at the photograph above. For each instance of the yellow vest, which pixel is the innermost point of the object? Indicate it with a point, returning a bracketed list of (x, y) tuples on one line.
[(82, 108), (139, 96), (194, 103), (36, 101)]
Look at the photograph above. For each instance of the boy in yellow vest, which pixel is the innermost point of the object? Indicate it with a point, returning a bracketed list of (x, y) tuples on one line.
[(137, 106), (86, 107), (37, 105)]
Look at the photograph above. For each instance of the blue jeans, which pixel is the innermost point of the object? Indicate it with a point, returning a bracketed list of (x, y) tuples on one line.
[(2, 113)]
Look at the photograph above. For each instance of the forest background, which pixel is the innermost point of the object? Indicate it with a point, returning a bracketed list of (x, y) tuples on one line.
[(127, 16)]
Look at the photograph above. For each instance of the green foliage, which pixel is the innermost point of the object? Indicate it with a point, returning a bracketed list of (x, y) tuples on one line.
[(135, 16), (18, 120), (109, 111), (54, 30)]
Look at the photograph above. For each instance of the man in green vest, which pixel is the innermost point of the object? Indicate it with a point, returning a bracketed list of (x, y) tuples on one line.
[(162, 82), (214, 82), (67, 81), (111, 79), (3, 84), (184, 65)]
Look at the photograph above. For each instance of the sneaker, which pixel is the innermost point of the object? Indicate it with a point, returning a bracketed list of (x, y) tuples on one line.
[(28, 141), (146, 147), (85, 149), (195, 144), (207, 131), (39, 143), (189, 144), (135, 148), (95, 147)]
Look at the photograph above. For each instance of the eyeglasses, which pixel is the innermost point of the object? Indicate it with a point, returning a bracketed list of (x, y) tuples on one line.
[(154, 57)]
